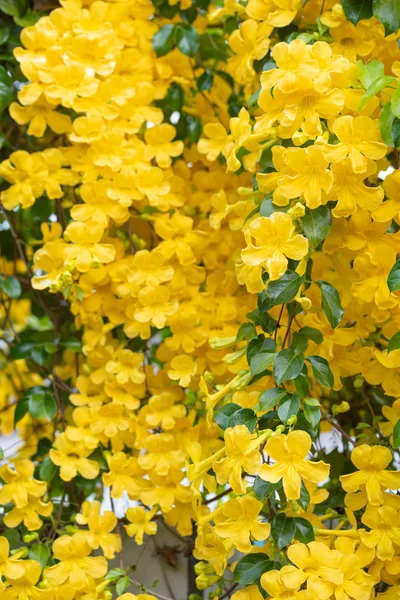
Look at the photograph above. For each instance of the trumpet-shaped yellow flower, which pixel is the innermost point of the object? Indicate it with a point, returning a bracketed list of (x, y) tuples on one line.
[(384, 524), (141, 522), (76, 566), (289, 453), (371, 462), (20, 484), (241, 453), (359, 139), (100, 528), (275, 240), (73, 459), (239, 520), (284, 584)]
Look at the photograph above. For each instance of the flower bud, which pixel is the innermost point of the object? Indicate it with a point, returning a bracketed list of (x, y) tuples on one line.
[(217, 343), (30, 537)]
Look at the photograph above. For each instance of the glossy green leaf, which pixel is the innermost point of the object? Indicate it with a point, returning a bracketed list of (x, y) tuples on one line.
[(287, 365), (396, 435), (331, 304), (394, 343), (316, 224), (10, 285), (270, 399), (304, 530), (283, 530), (187, 39), (386, 119), (40, 553), (286, 288), (288, 407), (250, 568), (42, 406), (244, 416), (393, 280), (223, 415), (164, 40), (321, 370)]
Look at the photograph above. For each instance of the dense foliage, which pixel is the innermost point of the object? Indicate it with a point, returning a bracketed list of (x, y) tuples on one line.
[(199, 295)]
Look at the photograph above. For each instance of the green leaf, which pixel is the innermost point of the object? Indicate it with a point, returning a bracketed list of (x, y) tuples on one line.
[(321, 370), (244, 416), (72, 344), (285, 289), (312, 414), (301, 383), (394, 343), (395, 132), (114, 574), (194, 128), (213, 46), (375, 87), (282, 530), (13, 8), (247, 331), (176, 97), (205, 81), (42, 406), (388, 13), (269, 399), (250, 568), (299, 342), (288, 407), (396, 435), (47, 470), (40, 553), (164, 40), (370, 71), (287, 365), (187, 39), (395, 102), (10, 285), (314, 334), (264, 489), (386, 119), (331, 304), (393, 280), (356, 10), (21, 409), (261, 361), (223, 414), (122, 585), (317, 224), (6, 90), (304, 530), (304, 499)]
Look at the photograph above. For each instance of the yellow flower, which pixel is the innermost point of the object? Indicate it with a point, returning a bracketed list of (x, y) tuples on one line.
[(384, 523), (126, 366), (359, 139), (289, 453), (276, 241), (241, 453), (250, 42), (72, 458), (371, 462), (76, 566), (373, 269), (239, 520), (308, 177), (10, 566), (156, 306), (350, 190), (182, 369), (162, 454), (85, 251), (392, 414), (319, 563), (218, 142), (124, 475), (27, 173), (284, 584), (29, 514), (163, 411), (24, 586), (159, 144), (39, 116), (278, 13), (141, 522), (66, 83), (100, 527), (20, 484)]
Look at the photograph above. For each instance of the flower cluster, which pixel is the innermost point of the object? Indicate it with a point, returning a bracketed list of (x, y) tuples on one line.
[(199, 288)]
